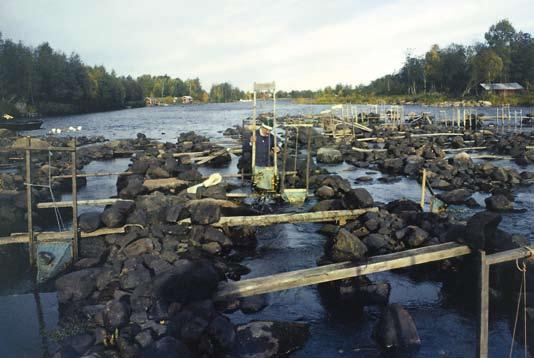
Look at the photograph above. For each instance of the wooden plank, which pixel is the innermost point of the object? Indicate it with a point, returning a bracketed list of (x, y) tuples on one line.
[(483, 303), (74, 198), (448, 134), (167, 183), (271, 219), (448, 150), (52, 236), (509, 255), (362, 150), (67, 204), (87, 175), (338, 271), (49, 149)]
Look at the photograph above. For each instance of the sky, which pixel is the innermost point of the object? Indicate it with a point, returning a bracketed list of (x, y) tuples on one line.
[(306, 44)]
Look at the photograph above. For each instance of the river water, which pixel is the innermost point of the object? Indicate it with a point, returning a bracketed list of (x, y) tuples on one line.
[(445, 330)]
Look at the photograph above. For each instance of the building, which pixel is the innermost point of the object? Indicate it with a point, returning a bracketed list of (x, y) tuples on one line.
[(502, 89), (187, 99)]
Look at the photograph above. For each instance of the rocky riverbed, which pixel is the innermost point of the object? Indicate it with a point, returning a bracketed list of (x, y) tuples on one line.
[(149, 291)]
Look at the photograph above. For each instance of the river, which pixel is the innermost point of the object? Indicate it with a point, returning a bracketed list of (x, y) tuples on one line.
[(445, 330)]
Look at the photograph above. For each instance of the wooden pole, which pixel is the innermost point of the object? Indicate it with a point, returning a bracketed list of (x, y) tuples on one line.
[(308, 158), (271, 219), (253, 159), (284, 161), (68, 204), (483, 301), (423, 190), (29, 211), (338, 271), (74, 204)]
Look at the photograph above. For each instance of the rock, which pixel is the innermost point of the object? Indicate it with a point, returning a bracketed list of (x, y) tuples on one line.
[(204, 213), (253, 304), (330, 204), (269, 338), (137, 217), (139, 247), (480, 228), (358, 198), (393, 165), (325, 192), (222, 333), (76, 285), (116, 214), (376, 243), (116, 314), (144, 338), (396, 329), (414, 163), (337, 183), (187, 281), (364, 179), (80, 343), (457, 196), (214, 248), (415, 236), (457, 142), (347, 246), (89, 221), (402, 205), (175, 213), (499, 203), (167, 347), (463, 160), (329, 156), (133, 278)]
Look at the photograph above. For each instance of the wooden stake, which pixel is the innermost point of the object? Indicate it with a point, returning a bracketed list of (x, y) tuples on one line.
[(423, 190), (483, 301), (74, 204), (29, 211)]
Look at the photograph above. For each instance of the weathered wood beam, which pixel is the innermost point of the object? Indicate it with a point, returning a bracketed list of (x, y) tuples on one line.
[(51, 236), (167, 183), (510, 255), (271, 219), (463, 149), (87, 175), (362, 150), (68, 204), (338, 271)]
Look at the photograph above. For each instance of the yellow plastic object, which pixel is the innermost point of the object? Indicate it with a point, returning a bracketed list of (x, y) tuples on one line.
[(295, 196)]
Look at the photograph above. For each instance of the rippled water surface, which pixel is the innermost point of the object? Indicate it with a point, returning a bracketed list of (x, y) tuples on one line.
[(445, 331)]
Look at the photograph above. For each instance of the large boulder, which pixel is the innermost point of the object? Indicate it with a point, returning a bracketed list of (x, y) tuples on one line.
[(167, 347), (116, 214), (116, 314), (457, 196), (89, 221), (396, 329), (499, 202), (269, 339), (392, 165), (358, 198), (347, 246), (480, 228), (329, 156), (402, 205), (76, 285), (204, 213), (414, 163)]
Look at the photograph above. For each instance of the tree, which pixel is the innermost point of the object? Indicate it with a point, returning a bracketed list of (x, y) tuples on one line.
[(500, 38)]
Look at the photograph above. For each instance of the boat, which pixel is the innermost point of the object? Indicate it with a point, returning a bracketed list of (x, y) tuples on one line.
[(19, 124)]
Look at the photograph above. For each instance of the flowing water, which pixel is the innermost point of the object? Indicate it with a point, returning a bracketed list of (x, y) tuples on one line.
[(445, 331)]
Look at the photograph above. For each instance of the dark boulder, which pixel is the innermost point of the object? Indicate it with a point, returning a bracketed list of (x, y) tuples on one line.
[(329, 156), (204, 213), (396, 329), (480, 228), (253, 304), (325, 192), (358, 198), (402, 205), (116, 314), (457, 196), (116, 214), (499, 202), (222, 333), (89, 221), (269, 338), (347, 246), (76, 285), (167, 347)]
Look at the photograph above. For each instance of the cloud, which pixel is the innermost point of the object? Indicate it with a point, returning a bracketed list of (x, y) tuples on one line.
[(300, 44)]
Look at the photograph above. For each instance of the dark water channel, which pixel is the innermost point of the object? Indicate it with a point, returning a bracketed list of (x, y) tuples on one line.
[(445, 331)]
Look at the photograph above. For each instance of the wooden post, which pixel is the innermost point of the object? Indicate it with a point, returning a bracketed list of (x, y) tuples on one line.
[(308, 159), (253, 158), (29, 211), (483, 300), (284, 161), (74, 246), (423, 189)]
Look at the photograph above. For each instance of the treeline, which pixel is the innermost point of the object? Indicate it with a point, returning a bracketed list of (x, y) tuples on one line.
[(506, 55), (50, 82), (47, 81), (452, 72)]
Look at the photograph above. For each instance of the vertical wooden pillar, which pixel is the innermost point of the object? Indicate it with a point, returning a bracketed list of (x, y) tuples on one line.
[(74, 245), (483, 301), (29, 209), (308, 158), (423, 190)]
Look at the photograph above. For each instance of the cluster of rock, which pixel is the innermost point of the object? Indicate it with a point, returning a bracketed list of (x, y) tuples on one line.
[(150, 292)]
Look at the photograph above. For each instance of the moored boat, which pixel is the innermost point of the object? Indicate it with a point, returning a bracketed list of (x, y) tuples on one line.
[(19, 124)]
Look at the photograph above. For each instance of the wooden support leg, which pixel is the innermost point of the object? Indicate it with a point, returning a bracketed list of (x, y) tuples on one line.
[(483, 300), (29, 205)]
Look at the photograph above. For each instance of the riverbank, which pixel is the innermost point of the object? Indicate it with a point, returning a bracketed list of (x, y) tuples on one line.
[(431, 99)]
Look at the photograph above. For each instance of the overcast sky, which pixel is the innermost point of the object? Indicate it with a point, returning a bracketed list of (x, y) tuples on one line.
[(300, 44)]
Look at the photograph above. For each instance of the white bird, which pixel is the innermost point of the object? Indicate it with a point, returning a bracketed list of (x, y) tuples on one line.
[(72, 129), (58, 130), (79, 128)]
